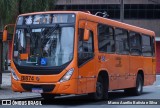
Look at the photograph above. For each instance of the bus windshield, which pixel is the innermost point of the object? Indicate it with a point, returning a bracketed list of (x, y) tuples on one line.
[(46, 46)]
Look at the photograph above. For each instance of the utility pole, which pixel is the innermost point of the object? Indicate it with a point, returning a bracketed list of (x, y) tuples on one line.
[(121, 10)]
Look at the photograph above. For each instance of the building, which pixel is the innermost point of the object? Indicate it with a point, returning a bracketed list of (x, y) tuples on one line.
[(142, 13)]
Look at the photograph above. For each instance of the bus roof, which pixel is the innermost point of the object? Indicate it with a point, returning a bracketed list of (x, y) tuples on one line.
[(98, 19), (117, 24), (50, 12)]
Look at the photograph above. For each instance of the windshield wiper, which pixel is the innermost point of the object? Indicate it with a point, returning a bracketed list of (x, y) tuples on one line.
[(50, 32)]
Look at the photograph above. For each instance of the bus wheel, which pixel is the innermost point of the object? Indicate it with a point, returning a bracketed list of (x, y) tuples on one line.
[(139, 85), (46, 96), (138, 89), (98, 95)]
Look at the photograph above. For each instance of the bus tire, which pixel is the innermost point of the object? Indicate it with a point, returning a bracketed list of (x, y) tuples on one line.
[(139, 86), (99, 94), (138, 89), (46, 96)]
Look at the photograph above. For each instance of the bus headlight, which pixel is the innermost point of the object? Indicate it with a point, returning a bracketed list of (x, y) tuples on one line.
[(67, 76), (15, 77)]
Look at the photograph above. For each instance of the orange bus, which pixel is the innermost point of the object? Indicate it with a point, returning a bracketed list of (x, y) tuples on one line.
[(73, 52)]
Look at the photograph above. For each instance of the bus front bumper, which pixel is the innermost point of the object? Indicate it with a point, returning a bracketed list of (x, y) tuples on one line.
[(67, 87)]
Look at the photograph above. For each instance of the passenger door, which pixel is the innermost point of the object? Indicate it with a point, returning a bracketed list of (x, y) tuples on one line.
[(106, 54), (86, 61)]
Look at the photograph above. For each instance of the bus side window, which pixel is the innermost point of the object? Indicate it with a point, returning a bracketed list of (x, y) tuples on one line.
[(85, 48), (135, 43), (122, 44), (106, 39), (146, 46)]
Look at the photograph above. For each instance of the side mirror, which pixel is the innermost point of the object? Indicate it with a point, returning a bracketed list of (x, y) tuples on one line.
[(5, 33), (86, 35)]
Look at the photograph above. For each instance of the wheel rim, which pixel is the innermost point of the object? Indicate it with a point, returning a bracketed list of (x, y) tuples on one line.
[(99, 90)]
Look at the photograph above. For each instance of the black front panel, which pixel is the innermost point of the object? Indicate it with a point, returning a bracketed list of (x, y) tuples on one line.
[(46, 88)]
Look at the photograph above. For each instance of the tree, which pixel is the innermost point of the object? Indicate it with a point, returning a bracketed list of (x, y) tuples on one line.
[(10, 9)]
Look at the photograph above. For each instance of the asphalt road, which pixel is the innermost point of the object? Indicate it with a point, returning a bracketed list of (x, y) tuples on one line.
[(150, 93)]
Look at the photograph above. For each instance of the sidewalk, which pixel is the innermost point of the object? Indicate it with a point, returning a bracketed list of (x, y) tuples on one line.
[(7, 93)]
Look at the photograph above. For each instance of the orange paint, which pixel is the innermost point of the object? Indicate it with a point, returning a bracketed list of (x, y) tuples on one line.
[(122, 70)]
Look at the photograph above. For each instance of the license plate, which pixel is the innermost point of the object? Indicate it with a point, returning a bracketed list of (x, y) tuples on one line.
[(37, 90)]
